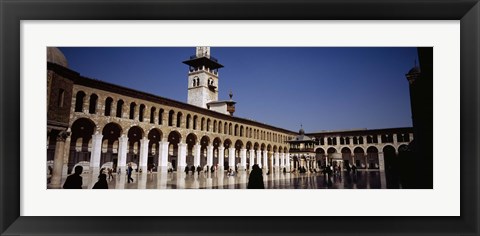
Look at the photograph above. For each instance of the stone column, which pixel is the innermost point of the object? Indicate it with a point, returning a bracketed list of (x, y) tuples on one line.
[(163, 156), (182, 155), (259, 158), (379, 139), (210, 155), (381, 161), (353, 159), (142, 164), (287, 161), (56, 177), (395, 139), (122, 153), (221, 155), (96, 150), (277, 160), (265, 159), (243, 159), (366, 161), (66, 156), (231, 158), (196, 154), (252, 159), (282, 160)]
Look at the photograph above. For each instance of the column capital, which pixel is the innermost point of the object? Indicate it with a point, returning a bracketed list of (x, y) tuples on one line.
[(221, 148)]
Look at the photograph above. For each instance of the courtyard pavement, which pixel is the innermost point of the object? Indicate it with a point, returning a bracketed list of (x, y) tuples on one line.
[(181, 180)]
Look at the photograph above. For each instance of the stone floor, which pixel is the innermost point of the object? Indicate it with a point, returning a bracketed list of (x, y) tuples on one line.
[(360, 180)]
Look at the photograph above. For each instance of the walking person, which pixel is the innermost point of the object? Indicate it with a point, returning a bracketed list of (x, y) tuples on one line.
[(110, 173), (74, 181), (129, 172), (199, 169)]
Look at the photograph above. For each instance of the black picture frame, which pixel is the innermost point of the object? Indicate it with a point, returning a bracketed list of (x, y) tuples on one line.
[(13, 11)]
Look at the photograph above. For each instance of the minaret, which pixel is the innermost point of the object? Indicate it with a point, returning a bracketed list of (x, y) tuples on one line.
[(202, 78)]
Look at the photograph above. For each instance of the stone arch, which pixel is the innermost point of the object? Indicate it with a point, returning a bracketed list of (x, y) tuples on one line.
[(238, 146), (109, 155), (347, 157), (82, 130), (372, 158), (389, 155), (155, 135), (174, 138), (191, 141), (216, 143), (359, 156), (135, 134), (204, 143)]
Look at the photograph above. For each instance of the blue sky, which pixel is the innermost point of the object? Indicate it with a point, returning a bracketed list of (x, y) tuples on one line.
[(322, 88)]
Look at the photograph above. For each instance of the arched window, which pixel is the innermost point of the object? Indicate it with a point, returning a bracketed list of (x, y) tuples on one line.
[(208, 125), (241, 131), (360, 140), (369, 139), (187, 121), (160, 116), (79, 101), (214, 126), (225, 128), (132, 110), (108, 106), (347, 140), (119, 108), (140, 113), (230, 129), (342, 141), (195, 118), (220, 127), (92, 108), (152, 115), (236, 130), (179, 119), (170, 118)]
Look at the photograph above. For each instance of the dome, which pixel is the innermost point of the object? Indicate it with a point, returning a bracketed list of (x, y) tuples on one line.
[(54, 55), (301, 132)]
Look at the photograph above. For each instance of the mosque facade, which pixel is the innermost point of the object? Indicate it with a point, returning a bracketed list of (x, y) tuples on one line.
[(98, 124)]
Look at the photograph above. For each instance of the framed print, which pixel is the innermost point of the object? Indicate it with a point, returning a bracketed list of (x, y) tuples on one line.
[(438, 195)]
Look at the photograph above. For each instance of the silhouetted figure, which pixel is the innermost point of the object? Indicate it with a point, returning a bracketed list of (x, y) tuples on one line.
[(192, 169), (186, 170), (354, 169), (212, 169), (110, 174), (101, 183), (129, 173), (74, 181), (199, 169), (255, 180), (206, 170), (284, 170)]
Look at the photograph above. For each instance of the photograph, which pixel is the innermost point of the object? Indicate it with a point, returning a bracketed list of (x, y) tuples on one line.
[(207, 117)]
